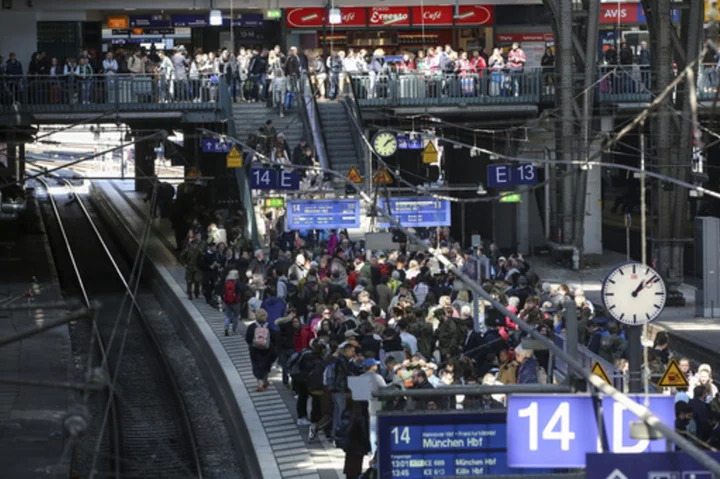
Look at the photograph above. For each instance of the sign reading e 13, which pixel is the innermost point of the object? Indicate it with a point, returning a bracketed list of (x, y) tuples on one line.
[(500, 176)]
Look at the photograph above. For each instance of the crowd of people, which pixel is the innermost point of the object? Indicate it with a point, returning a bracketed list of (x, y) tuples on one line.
[(328, 314), (255, 75)]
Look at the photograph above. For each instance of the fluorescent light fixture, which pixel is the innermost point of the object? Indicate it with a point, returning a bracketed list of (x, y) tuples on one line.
[(216, 18), (334, 16)]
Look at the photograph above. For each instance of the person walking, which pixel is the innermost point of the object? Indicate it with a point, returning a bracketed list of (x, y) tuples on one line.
[(262, 356), (232, 301)]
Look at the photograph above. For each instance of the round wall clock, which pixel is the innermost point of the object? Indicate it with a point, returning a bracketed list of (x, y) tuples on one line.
[(633, 293), (385, 143)]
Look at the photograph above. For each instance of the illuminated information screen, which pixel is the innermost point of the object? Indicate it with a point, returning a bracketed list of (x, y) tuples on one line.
[(323, 214), (437, 445), (417, 212)]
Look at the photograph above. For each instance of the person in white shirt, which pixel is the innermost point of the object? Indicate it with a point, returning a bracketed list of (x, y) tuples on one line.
[(376, 382), (110, 65), (406, 338)]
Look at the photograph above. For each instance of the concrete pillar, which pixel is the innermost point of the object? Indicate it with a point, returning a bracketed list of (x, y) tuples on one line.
[(18, 34), (592, 234)]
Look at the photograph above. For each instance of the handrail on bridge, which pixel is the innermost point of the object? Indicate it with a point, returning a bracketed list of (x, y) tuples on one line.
[(477, 390), (138, 92)]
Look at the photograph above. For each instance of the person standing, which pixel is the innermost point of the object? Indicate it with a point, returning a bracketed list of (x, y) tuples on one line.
[(358, 440), (516, 62), (232, 301), (278, 82), (258, 336), (180, 64)]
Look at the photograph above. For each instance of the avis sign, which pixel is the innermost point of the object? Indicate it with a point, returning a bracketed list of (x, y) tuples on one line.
[(560, 430)]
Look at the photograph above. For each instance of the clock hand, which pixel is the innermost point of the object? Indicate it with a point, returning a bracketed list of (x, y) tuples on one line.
[(388, 142), (638, 289)]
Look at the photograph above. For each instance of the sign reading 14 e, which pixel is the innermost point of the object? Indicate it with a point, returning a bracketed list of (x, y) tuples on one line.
[(499, 176), (271, 179)]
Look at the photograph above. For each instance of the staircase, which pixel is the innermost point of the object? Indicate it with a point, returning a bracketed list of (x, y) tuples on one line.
[(340, 134), (249, 117)]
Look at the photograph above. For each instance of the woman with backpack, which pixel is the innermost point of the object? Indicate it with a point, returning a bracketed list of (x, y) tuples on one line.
[(232, 301), (258, 337)]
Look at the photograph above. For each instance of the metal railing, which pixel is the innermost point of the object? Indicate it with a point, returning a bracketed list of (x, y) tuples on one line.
[(587, 358), (482, 87), (70, 93)]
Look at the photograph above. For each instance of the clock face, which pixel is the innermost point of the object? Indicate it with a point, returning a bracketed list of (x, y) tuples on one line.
[(634, 293), (385, 143)]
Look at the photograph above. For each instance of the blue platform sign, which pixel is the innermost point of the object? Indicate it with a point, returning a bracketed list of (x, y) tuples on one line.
[(323, 214), (149, 21), (558, 431), (668, 465), (417, 212), (272, 179), (409, 142), (443, 445), (191, 20), (501, 176), (215, 145)]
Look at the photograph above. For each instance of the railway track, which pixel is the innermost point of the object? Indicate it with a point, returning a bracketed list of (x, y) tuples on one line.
[(142, 427)]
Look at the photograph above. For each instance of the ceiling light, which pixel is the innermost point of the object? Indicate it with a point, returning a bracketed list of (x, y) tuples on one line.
[(216, 18)]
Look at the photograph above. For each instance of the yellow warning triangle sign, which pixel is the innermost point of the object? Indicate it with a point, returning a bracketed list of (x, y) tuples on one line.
[(598, 370), (430, 153), (673, 377), (354, 175), (382, 177), (234, 158)]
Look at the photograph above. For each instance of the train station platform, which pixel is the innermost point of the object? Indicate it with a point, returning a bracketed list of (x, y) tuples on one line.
[(32, 441), (265, 421)]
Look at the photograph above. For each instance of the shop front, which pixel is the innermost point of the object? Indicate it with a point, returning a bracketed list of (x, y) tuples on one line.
[(193, 31), (533, 44), (394, 29)]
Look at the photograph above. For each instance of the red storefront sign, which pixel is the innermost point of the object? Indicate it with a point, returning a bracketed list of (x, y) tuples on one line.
[(389, 16), (304, 17), (523, 37), (353, 17), (475, 15), (429, 15), (618, 13)]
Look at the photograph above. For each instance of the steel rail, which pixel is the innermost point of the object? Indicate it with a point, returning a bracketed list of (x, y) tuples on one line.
[(115, 435)]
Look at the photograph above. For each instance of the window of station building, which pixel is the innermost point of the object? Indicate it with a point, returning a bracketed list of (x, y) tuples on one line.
[(522, 15), (513, 15)]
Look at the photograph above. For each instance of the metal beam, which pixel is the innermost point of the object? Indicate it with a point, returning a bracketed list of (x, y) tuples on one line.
[(74, 316), (474, 390)]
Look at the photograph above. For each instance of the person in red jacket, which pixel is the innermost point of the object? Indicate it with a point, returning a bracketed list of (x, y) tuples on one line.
[(303, 338)]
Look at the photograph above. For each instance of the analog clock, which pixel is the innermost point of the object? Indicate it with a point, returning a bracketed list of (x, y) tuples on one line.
[(633, 293), (385, 143)]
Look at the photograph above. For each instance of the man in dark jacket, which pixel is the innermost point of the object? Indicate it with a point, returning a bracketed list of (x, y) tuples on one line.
[(343, 369), (257, 69), (420, 381), (298, 154)]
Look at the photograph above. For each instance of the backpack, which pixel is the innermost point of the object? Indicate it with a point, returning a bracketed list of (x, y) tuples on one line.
[(295, 366), (329, 376), (315, 378), (229, 295), (261, 337)]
